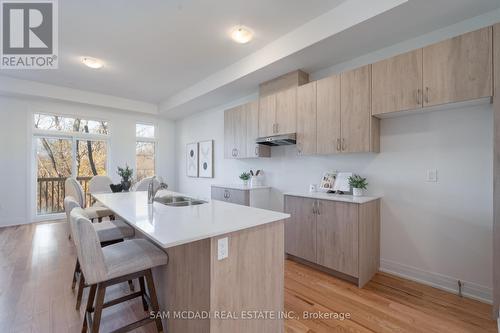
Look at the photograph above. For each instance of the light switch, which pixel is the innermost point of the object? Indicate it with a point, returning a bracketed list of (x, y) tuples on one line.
[(432, 176), (222, 248)]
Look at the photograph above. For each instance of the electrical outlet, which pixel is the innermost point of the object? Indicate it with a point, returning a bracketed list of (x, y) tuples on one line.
[(431, 176), (222, 248)]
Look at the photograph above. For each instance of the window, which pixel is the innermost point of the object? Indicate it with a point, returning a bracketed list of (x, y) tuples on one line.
[(145, 151), (65, 147)]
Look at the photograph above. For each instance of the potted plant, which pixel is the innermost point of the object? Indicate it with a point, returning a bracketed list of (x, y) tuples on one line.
[(245, 176), (125, 173), (358, 184)]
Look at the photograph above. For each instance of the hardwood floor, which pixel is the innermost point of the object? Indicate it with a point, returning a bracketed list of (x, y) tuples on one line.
[(37, 260)]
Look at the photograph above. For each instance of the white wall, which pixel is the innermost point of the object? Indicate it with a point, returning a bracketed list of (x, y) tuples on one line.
[(15, 148), (439, 232)]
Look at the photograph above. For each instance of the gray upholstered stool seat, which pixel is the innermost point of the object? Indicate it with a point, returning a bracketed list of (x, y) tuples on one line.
[(131, 256), (97, 211), (109, 231)]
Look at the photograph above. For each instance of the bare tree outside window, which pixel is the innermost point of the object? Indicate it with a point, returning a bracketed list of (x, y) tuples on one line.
[(55, 157)]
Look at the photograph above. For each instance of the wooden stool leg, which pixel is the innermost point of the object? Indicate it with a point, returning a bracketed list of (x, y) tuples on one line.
[(101, 292), (131, 285), (81, 286), (143, 290), (154, 299), (90, 305), (75, 273)]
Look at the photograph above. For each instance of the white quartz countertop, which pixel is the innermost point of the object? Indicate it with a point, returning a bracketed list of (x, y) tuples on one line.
[(333, 197), (170, 226), (242, 187)]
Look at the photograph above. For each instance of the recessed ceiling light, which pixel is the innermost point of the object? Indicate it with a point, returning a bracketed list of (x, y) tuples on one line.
[(93, 63), (241, 34)]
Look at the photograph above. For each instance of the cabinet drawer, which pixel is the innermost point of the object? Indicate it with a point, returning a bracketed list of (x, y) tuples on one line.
[(231, 195)]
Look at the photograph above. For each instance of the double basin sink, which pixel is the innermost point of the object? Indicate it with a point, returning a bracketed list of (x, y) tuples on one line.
[(178, 201)]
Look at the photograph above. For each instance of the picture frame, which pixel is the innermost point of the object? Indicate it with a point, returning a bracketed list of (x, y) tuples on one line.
[(206, 159), (192, 159)]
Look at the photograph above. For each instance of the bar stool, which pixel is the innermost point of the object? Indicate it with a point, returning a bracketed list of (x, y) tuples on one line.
[(109, 232), (73, 188), (104, 267)]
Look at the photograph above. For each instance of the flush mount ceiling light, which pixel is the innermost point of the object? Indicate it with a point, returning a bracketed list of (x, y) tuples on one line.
[(93, 63), (241, 34)]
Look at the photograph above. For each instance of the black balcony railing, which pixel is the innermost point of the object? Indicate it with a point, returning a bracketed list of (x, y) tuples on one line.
[(50, 194)]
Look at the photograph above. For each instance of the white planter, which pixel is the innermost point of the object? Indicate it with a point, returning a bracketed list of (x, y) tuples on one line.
[(357, 192)]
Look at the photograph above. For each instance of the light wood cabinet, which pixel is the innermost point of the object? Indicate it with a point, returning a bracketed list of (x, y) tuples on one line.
[(253, 149), (306, 119), (397, 83), (278, 113), (267, 115), (241, 131), (300, 229), (235, 132), (358, 128), (346, 239), (337, 236), (286, 111), (458, 69), (328, 115)]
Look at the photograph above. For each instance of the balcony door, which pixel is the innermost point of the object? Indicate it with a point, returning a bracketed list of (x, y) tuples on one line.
[(65, 147)]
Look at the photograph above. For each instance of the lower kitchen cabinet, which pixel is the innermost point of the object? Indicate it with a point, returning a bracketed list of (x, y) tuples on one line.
[(257, 196), (342, 237), (300, 229)]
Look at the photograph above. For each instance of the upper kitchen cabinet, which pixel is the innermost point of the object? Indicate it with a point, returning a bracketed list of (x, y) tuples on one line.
[(267, 115), (360, 131), (252, 130), (328, 134), (286, 111), (306, 119), (241, 131), (235, 132), (458, 69), (397, 83)]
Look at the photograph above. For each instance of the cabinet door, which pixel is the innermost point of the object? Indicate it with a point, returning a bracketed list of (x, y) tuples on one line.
[(267, 115), (286, 111), (458, 69), (300, 228), (397, 83), (235, 133), (328, 115), (252, 123), (231, 195), (306, 118), (356, 110), (337, 236)]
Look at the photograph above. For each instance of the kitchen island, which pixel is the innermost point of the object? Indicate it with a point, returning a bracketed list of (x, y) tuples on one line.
[(210, 285)]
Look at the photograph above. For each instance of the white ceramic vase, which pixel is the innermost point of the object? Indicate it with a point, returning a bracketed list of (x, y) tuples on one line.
[(357, 192)]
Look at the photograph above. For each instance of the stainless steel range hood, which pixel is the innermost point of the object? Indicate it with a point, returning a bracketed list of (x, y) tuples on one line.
[(278, 140)]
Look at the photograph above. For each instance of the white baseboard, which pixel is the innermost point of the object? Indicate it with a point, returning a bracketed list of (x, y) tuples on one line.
[(13, 222), (447, 283)]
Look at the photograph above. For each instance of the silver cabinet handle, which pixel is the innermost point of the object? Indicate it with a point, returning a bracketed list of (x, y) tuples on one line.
[(233, 152), (314, 207), (427, 95), (227, 194), (419, 96), (344, 146), (318, 208), (338, 144), (256, 150), (277, 127)]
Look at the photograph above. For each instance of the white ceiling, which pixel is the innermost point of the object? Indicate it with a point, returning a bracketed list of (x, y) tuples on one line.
[(177, 53), (155, 48)]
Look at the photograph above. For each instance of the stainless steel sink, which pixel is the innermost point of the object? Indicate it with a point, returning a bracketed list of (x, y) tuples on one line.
[(178, 201)]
